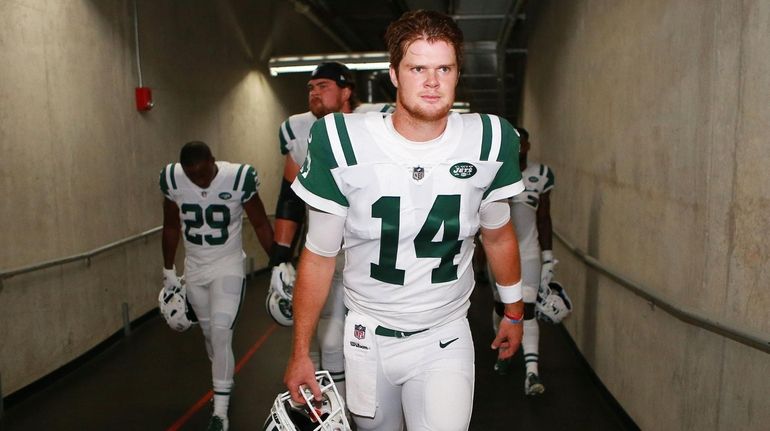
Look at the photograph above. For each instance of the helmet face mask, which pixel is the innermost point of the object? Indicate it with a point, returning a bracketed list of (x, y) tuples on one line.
[(326, 415), (175, 309), (279, 309), (555, 305)]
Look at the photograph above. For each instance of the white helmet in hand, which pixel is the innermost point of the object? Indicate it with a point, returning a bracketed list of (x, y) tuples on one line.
[(175, 309), (326, 415), (279, 308), (553, 303), (282, 280)]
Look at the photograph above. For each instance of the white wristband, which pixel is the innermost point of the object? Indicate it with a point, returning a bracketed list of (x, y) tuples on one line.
[(170, 273), (546, 256), (510, 294)]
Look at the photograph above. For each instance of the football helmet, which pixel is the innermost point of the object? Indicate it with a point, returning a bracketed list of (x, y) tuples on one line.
[(553, 303), (279, 308), (175, 309), (326, 415), (282, 280)]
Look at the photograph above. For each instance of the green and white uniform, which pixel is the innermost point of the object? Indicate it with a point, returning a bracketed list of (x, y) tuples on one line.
[(293, 136), (538, 179), (411, 209), (295, 130), (214, 276), (211, 218), (410, 213)]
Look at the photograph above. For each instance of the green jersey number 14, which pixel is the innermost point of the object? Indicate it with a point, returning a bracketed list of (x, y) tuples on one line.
[(445, 211)]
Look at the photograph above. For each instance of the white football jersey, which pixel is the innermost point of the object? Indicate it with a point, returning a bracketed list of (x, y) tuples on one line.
[(212, 217), (295, 130), (538, 179), (412, 209)]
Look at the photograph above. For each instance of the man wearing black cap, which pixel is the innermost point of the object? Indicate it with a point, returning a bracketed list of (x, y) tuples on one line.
[(330, 89)]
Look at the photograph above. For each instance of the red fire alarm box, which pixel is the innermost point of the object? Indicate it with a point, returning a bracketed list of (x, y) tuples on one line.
[(143, 99)]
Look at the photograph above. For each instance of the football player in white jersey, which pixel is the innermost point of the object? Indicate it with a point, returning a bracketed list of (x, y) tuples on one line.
[(531, 213), (407, 192), (204, 202), (330, 89)]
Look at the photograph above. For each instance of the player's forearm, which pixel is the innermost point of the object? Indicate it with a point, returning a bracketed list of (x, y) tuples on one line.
[(285, 230), (314, 277), (265, 236), (169, 243), (502, 250)]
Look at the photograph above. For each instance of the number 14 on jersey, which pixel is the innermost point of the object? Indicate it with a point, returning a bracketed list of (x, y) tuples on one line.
[(445, 211)]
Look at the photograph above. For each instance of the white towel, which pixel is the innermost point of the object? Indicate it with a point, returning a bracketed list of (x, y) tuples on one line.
[(360, 364)]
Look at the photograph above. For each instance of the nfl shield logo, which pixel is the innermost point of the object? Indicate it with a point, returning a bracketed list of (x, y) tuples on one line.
[(359, 331), (418, 173), (203, 194)]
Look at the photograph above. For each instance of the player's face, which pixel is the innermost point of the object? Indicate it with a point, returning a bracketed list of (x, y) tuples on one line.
[(426, 80), (201, 173), (324, 96)]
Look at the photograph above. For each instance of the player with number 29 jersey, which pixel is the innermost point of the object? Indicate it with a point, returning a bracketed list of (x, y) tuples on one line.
[(211, 217), (411, 209)]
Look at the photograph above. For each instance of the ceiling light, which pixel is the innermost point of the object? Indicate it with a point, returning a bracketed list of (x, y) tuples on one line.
[(308, 63)]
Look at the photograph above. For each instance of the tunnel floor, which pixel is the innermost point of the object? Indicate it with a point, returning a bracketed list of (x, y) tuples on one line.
[(157, 379)]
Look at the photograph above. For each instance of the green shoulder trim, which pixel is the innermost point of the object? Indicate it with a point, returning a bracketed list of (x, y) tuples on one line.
[(288, 130), (486, 137), (509, 143), (342, 132), (249, 183), (173, 176), (509, 172), (316, 173), (238, 177), (551, 179), (163, 182), (386, 109), (282, 140)]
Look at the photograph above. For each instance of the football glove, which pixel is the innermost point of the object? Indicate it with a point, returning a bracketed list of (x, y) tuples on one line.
[(547, 268), (282, 280), (171, 283)]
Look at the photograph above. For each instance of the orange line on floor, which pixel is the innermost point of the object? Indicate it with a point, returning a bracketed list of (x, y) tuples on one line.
[(206, 397)]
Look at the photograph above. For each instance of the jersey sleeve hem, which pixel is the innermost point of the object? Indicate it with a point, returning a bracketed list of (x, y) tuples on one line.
[(504, 192), (318, 202)]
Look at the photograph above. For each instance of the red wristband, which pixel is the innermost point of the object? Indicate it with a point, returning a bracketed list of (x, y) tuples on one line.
[(514, 319)]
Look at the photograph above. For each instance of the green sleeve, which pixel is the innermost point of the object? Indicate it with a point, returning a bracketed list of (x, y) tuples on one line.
[(509, 173), (316, 173)]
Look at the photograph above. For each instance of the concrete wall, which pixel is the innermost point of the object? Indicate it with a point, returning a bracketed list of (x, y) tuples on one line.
[(654, 116), (79, 164)]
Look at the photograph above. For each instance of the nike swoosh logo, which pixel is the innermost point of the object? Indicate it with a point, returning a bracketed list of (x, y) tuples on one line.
[(442, 344)]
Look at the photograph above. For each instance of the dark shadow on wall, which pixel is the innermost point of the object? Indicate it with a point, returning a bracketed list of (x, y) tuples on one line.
[(588, 344)]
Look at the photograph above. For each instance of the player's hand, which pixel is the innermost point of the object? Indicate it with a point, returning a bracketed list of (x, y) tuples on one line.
[(282, 280), (300, 372), (547, 268), (171, 283), (508, 339)]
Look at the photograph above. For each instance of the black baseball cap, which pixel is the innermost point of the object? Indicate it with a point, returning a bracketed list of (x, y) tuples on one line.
[(335, 71)]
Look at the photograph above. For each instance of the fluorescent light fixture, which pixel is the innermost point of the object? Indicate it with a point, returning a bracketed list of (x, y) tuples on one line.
[(308, 63)]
